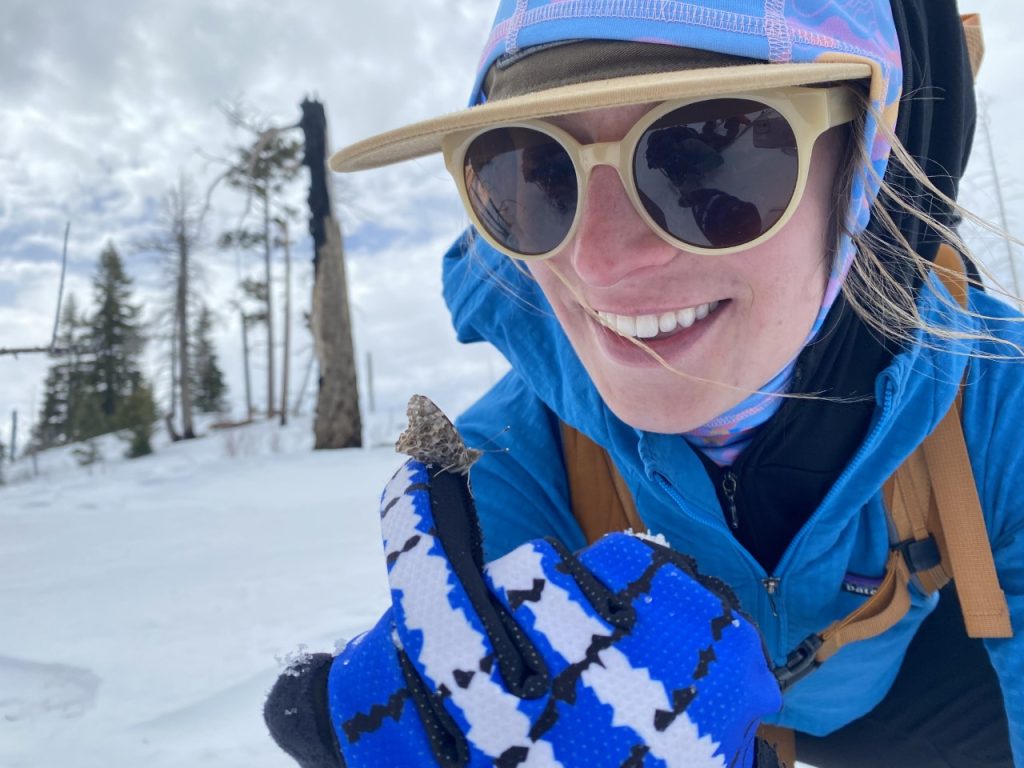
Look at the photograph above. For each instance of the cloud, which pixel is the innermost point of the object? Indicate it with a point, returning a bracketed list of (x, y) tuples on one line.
[(103, 104)]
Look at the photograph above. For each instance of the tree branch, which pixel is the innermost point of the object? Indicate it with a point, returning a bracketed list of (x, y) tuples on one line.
[(60, 290), (50, 350)]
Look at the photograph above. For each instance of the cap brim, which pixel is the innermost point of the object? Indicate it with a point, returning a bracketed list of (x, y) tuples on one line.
[(424, 138)]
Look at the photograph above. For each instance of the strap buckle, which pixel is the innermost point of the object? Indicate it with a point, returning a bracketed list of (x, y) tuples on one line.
[(800, 662), (919, 554)]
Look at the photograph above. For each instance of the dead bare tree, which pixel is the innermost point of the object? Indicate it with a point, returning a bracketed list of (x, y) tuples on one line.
[(287, 319), (244, 321), (50, 349), (262, 170), (183, 239), (179, 233), (337, 423), (171, 415), (997, 188)]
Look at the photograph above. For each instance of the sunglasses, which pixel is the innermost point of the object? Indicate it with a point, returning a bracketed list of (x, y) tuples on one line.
[(710, 176)]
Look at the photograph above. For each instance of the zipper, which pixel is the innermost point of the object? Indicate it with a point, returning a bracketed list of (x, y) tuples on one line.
[(771, 586), (756, 570), (866, 448), (729, 483), (714, 524)]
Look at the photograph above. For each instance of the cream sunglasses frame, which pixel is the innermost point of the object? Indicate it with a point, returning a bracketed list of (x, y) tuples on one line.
[(810, 111)]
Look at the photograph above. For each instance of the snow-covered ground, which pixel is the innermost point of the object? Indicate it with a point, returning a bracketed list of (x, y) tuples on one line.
[(144, 605), (147, 606)]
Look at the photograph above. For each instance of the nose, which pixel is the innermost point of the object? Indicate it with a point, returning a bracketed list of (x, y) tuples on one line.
[(612, 241)]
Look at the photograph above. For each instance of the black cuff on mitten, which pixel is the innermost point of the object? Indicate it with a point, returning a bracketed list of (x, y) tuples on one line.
[(296, 714), (457, 528)]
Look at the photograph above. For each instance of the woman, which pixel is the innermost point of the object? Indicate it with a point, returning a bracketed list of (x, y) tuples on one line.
[(706, 264)]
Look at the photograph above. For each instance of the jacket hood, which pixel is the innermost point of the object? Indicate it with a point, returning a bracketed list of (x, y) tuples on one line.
[(936, 119)]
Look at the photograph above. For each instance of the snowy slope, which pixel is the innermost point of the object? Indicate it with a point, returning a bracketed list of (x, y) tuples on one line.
[(147, 606), (143, 605)]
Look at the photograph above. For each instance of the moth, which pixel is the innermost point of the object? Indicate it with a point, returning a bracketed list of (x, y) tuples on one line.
[(432, 438)]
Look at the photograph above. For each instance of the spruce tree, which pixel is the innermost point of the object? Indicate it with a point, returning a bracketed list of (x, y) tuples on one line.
[(208, 386), (115, 337), (65, 395), (51, 428), (139, 413)]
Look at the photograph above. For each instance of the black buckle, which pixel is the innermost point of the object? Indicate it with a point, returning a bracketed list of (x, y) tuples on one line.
[(799, 663), (919, 554)]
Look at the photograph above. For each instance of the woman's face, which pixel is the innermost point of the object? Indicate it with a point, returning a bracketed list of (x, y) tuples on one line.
[(750, 311)]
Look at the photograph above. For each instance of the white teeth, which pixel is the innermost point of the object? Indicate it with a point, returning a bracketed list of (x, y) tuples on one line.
[(649, 326), (626, 325)]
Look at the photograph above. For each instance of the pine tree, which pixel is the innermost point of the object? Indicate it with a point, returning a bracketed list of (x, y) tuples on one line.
[(66, 382), (263, 170), (51, 427), (208, 385), (138, 412), (116, 340), (87, 419)]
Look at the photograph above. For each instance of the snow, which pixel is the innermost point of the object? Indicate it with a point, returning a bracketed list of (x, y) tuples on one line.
[(147, 606)]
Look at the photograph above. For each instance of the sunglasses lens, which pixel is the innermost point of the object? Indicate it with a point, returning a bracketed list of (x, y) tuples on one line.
[(522, 187), (717, 173)]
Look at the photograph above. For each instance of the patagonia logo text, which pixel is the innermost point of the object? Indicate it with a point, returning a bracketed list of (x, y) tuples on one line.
[(860, 585)]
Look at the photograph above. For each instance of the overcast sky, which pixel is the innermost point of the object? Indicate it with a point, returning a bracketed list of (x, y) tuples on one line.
[(104, 104)]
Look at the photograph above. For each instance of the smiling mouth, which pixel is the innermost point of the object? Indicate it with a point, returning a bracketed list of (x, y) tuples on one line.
[(658, 326)]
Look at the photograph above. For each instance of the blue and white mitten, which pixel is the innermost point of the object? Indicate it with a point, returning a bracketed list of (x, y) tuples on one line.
[(619, 655)]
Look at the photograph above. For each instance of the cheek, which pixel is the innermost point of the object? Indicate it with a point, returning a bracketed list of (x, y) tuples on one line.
[(555, 275), (800, 254)]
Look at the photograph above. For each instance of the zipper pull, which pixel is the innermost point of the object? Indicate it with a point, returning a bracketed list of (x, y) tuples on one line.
[(729, 489), (771, 586)]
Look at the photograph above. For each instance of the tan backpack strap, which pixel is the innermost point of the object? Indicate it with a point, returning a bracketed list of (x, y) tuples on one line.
[(952, 273), (975, 40), (908, 498), (911, 504), (965, 536), (879, 613), (958, 522), (782, 740), (938, 532), (601, 500)]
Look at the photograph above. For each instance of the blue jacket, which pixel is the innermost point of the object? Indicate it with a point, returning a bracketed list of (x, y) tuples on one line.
[(521, 489)]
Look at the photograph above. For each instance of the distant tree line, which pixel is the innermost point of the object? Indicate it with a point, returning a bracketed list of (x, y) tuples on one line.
[(95, 385)]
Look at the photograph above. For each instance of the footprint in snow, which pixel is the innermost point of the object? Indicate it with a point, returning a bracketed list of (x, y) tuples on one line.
[(30, 690)]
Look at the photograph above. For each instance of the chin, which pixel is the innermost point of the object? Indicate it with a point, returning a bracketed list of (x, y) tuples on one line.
[(678, 413)]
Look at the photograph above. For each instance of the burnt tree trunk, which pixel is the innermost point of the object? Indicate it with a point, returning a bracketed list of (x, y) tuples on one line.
[(172, 412), (184, 356), (337, 423)]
